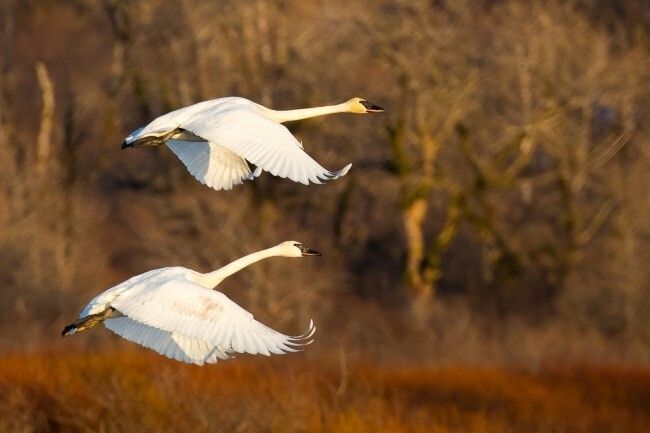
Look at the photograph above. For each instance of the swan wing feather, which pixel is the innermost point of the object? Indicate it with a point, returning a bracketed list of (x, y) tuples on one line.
[(211, 164), (174, 346), (261, 141), (181, 307)]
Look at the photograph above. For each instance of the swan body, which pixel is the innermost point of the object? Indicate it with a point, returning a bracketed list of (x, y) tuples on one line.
[(175, 312), (217, 139)]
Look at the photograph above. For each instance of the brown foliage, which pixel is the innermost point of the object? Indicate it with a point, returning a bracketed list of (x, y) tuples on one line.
[(132, 391)]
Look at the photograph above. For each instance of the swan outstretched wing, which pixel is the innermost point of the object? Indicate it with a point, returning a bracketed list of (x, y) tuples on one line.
[(183, 308), (263, 142), (174, 346), (211, 164)]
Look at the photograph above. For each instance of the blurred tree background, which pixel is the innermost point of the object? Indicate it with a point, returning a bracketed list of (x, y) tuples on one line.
[(496, 213)]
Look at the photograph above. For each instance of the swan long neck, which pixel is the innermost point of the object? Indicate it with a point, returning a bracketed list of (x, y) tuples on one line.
[(212, 279), (282, 116)]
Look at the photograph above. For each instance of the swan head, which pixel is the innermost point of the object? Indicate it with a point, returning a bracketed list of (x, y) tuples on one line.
[(296, 249), (361, 106)]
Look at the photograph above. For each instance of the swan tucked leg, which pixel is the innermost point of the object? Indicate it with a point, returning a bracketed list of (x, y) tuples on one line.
[(90, 321)]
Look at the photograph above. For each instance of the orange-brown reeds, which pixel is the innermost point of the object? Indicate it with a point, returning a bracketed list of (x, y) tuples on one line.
[(137, 391)]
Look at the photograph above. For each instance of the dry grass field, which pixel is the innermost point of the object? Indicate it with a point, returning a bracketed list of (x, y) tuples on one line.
[(130, 391)]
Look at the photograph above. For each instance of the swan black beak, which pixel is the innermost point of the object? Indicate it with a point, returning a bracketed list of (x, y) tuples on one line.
[(371, 108), (310, 252), (125, 144)]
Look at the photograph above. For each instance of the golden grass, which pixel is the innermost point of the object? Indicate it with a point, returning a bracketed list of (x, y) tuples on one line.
[(137, 391)]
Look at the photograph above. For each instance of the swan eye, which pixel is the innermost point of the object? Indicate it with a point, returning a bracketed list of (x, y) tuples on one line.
[(301, 247)]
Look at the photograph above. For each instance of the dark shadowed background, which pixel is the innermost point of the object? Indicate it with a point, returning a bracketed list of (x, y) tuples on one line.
[(496, 214)]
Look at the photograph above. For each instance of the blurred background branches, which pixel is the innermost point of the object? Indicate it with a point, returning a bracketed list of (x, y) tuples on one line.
[(497, 212)]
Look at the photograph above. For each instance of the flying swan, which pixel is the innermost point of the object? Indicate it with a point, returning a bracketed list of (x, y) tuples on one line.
[(175, 312), (217, 139)]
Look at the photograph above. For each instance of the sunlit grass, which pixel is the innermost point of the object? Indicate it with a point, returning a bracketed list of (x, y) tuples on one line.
[(136, 391)]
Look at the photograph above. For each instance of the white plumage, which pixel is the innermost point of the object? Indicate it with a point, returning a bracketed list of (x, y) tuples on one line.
[(217, 139), (175, 312)]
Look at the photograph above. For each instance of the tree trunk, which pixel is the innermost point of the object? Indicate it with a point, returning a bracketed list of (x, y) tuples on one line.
[(47, 119)]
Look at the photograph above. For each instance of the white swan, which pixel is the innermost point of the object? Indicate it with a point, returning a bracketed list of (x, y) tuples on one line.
[(216, 139), (176, 312)]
